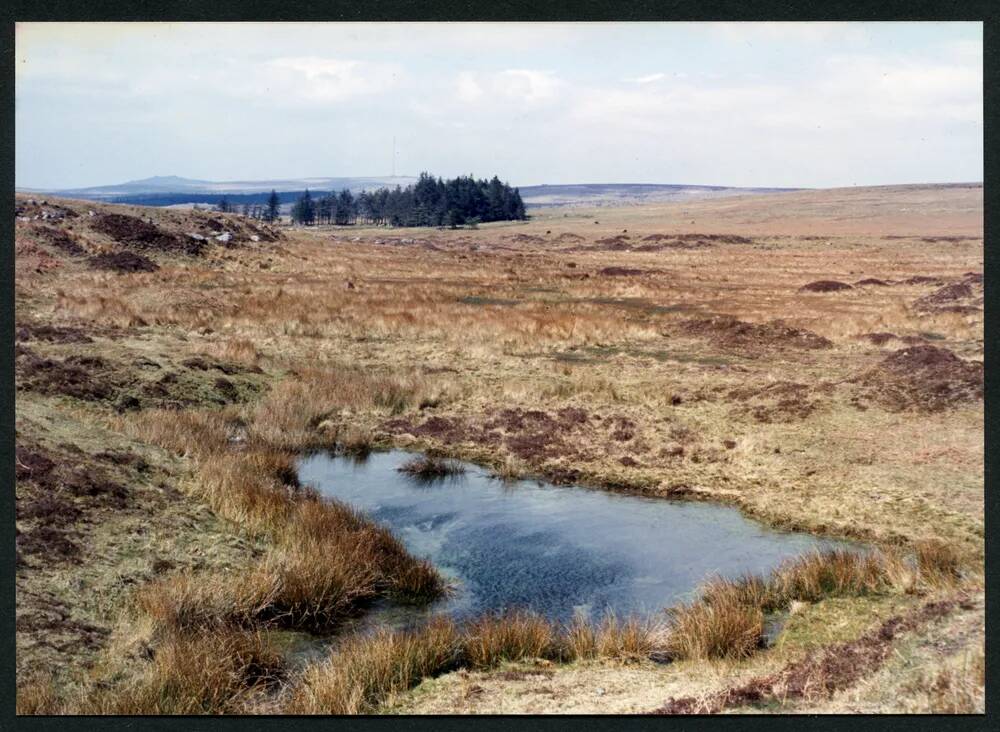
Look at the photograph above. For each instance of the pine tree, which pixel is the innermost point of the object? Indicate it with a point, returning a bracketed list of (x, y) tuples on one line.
[(272, 206)]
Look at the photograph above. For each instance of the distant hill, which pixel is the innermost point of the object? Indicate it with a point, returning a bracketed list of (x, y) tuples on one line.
[(624, 194), (172, 190)]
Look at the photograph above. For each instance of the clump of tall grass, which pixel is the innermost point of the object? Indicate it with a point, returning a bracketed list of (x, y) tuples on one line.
[(309, 580), (364, 672), (513, 636), (727, 619), (221, 671), (835, 573), (429, 467), (38, 695), (939, 564), (291, 413), (722, 628), (631, 638)]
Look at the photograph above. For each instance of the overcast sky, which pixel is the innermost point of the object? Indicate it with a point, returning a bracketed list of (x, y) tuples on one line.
[(748, 104)]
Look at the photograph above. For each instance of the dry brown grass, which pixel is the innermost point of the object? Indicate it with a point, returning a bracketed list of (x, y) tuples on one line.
[(957, 689), (365, 672), (305, 412), (326, 560), (500, 324), (514, 636), (726, 621), (939, 563), (724, 628), (213, 672), (836, 573), (429, 467)]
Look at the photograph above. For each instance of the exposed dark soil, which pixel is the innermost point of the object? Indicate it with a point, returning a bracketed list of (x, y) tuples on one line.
[(624, 272), (123, 262), (921, 280), (567, 237), (529, 434), (201, 363), (727, 332), (138, 234), (820, 674), (871, 282), (922, 378), (74, 377), (878, 339), (781, 401), (54, 493), (60, 240), (716, 238), (825, 286), (946, 295), (51, 334)]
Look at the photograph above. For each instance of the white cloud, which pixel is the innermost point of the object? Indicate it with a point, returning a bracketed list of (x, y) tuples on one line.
[(467, 88), (321, 80), (525, 85), (648, 79)]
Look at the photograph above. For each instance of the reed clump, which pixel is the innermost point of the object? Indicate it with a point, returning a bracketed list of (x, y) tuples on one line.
[(364, 672), (429, 467), (724, 628), (727, 619), (218, 671)]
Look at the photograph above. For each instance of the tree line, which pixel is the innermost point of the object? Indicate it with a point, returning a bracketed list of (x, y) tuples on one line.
[(428, 202)]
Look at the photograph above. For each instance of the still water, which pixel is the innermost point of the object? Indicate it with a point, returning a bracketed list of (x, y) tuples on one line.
[(553, 549)]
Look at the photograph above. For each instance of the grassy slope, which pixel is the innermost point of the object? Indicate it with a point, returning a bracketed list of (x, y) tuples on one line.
[(497, 319)]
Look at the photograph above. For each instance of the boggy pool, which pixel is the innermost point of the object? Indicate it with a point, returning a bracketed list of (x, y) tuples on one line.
[(553, 549)]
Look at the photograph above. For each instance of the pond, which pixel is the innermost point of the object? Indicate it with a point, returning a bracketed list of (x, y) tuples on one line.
[(556, 550)]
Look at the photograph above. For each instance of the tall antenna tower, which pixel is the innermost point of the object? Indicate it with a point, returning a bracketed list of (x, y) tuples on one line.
[(393, 156)]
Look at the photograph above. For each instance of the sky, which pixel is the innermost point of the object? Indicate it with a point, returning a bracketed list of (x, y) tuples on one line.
[(741, 104)]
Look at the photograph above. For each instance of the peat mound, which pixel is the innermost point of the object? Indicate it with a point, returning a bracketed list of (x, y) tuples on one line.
[(946, 295), (727, 332), (779, 401), (624, 272), (871, 282), (878, 339), (825, 286), (51, 334), (123, 262), (135, 233), (60, 240), (922, 378), (921, 280)]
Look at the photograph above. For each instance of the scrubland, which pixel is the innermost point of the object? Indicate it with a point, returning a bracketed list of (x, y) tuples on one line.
[(814, 358)]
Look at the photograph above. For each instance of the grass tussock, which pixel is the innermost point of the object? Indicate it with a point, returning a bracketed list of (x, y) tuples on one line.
[(722, 628), (631, 638), (38, 695), (818, 575), (301, 412), (367, 671), (327, 563), (213, 672), (514, 636), (428, 467), (727, 619), (938, 562)]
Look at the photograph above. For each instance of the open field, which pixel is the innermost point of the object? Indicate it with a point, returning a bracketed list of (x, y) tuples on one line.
[(815, 358)]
